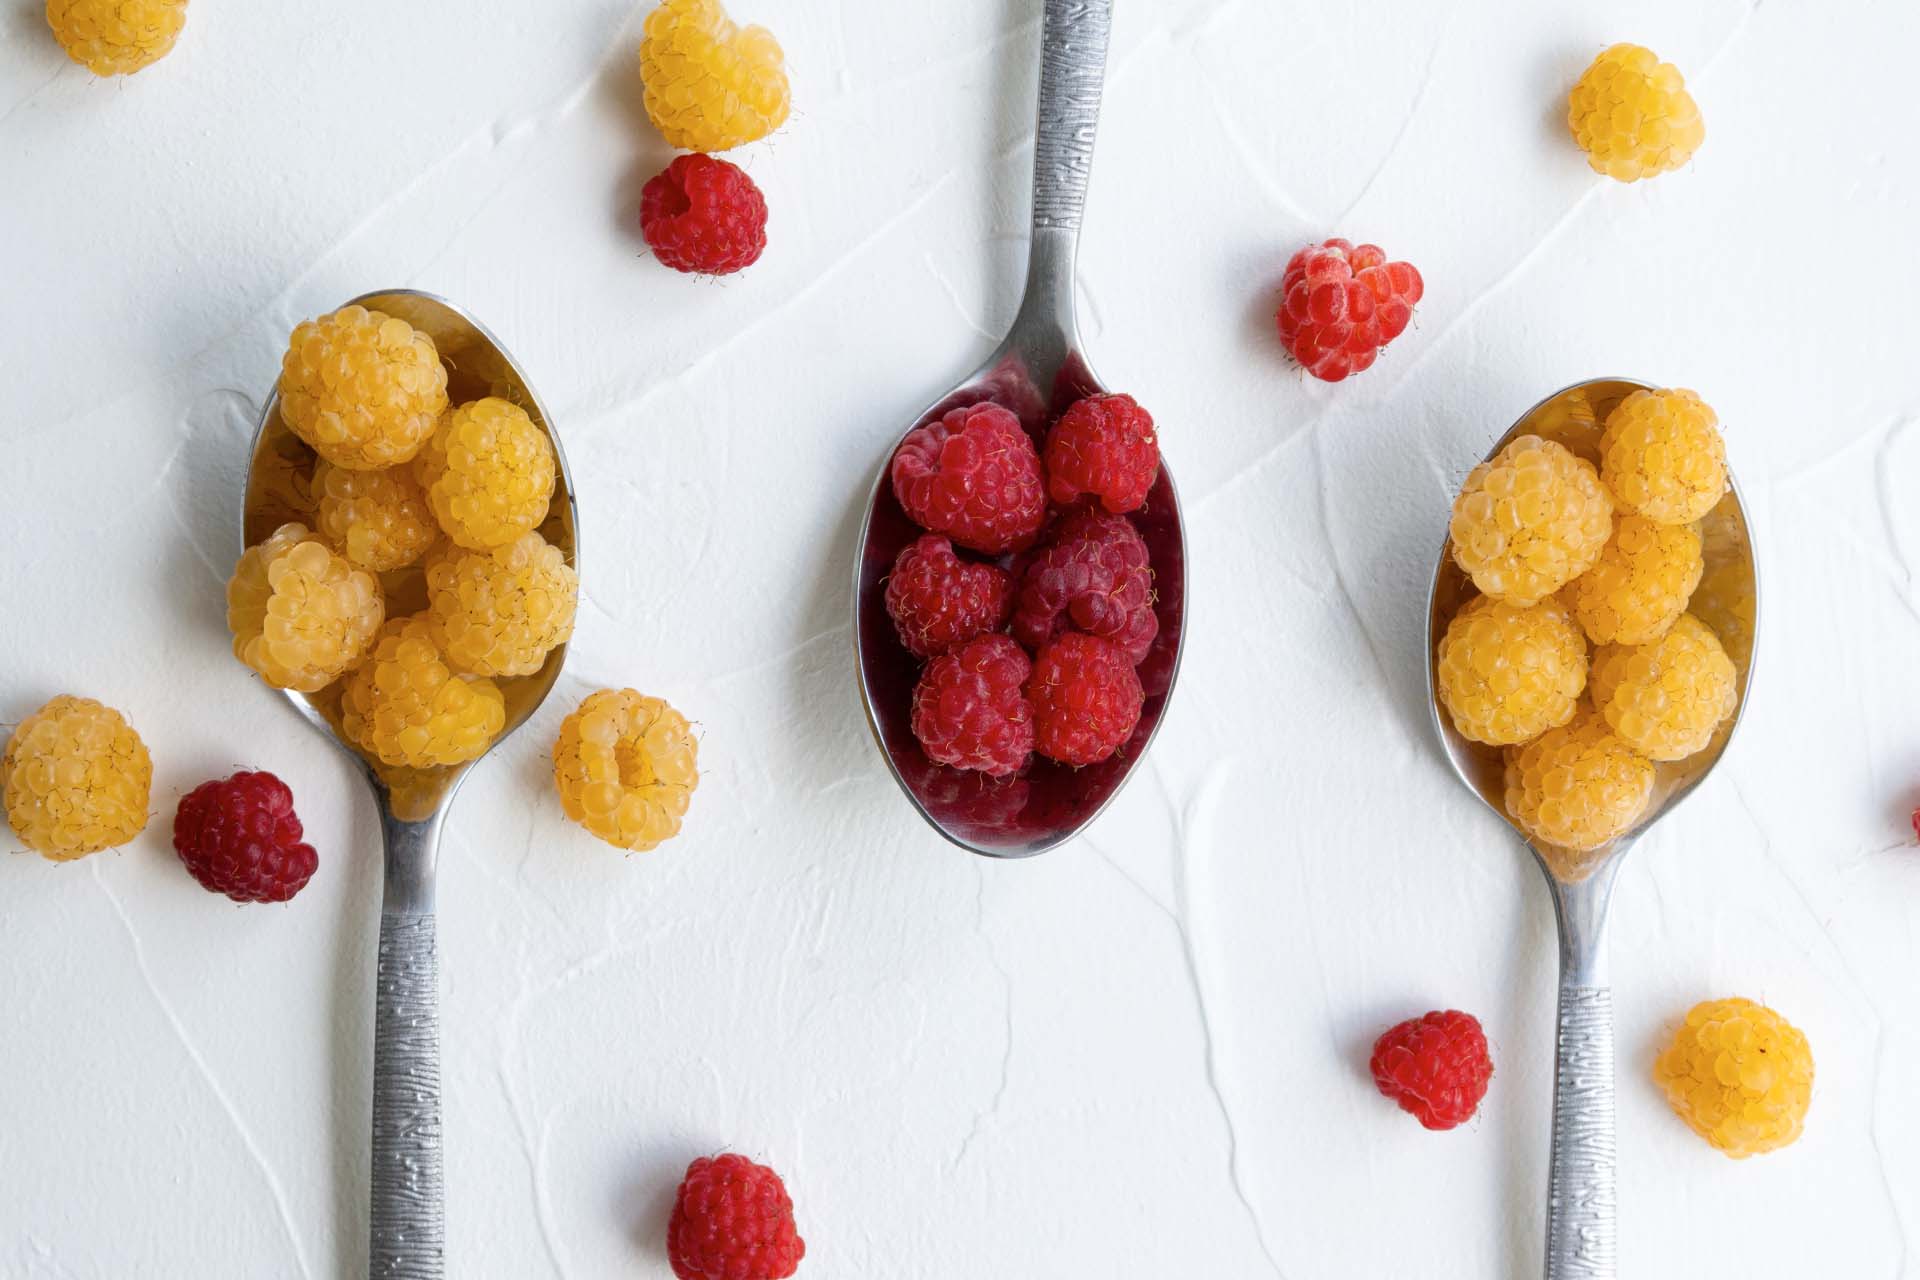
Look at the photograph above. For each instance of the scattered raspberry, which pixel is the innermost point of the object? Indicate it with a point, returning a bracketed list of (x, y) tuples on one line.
[(407, 707), (1086, 699), (1341, 305), (240, 836), (75, 778), (975, 476), (938, 601), (488, 473), (499, 612), (1529, 521), (1662, 456), (363, 388), (1631, 113), (1095, 578), (300, 614), (1508, 674), (116, 37), (704, 216), (969, 709), (1577, 786), (626, 766), (1740, 1075), (1103, 447), (709, 84), (1435, 1066), (733, 1220), (379, 520), (1666, 698), (1640, 584)]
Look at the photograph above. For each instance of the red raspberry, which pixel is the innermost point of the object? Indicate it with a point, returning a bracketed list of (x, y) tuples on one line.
[(1341, 305), (733, 1220), (937, 600), (969, 710), (1095, 578), (975, 476), (705, 215), (1435, 1066), (1086, 699), (239, 836), (1103, 446)]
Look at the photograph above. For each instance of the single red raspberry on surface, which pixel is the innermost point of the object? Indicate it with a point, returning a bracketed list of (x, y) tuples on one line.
[(975, 476), (239, 836), (703, 215), (970, 710), (1094, 578), (1340, 305), (1086, 699), (1104, 447), (1435, 1066), (733, 1220), (937, 600)]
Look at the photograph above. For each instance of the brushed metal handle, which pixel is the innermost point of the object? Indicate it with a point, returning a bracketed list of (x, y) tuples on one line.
[(408, 1236), (1582, 1207), (1073, 66)]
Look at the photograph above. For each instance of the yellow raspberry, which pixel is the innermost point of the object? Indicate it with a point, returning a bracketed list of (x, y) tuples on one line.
[(1508, 674), (1726, 602), (377, 519), (1631, 113), (1640, 583), (1529, 521), (488, 472), (626, 766), (300, 614), (1666, 698), (116, 37), (1577, 786), (1740, 1075), (497, 613), (363, 388), (75, 777), (1662, 456), (405, 706), (710, 85)]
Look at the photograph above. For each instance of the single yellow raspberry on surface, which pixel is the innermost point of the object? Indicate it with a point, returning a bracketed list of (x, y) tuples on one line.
[(1530, 520), (300, 614), (380, 520), (116, 37), (1631, 113), (1577, 786), (626, 766), (711, 85), (1662, 456), (1640, 584), (1507, 674), (1740, 1075), (1666, 698), (499, 612), (405, 706), (75, 777), (488, 472), (363, 388)]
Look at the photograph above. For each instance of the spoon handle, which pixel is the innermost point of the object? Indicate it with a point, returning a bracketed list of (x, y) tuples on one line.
[(1073, 65), (1582, 1225)]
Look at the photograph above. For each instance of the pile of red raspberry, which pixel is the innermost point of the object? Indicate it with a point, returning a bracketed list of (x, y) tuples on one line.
[(1031, 595)]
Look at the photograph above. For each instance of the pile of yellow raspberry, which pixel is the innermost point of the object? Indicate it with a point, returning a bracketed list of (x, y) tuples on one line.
[(710, 85), (75, 778), (1631, 113), (116, 37), (625, 766), (1740, 1075)]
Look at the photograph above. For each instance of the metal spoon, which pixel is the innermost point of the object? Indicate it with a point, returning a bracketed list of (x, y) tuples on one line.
[(1581, 1230), (407, 1228), (1037, 371)]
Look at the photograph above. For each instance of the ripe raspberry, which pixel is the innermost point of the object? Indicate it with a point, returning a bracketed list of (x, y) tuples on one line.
[(1095, 577), (733, 1220), (1508, 674), (1740, 1075), (626, 766), (1435, 1066), (704, 216), (1341, 305), (710, 85), (1086, 699), (488, 473), (75, 778), (300, 614), (1631, 113), (1577, 786), (1662, 456), (379, 520), (363, 388), (938, 601), (116, 37), (1529, 521), (969, 709), (1103, 447), (240, 836), (975, 476), (499, 612), (405, 706), (1666, 698), (1640, 584)]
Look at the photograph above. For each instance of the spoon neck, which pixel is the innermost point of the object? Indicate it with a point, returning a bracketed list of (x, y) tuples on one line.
[(412, 857), (1048, 300), (1581, 909)]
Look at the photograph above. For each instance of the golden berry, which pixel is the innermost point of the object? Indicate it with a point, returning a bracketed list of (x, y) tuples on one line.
[(626, 766), (497, 613), (1508, 674), (1631, 113), (1740, 1075), (1529, 521), (75, 777), (1662, 456), (377, 519), (709, 84), (405, 706), (300, 614), (116, 37), (1640, 583), (363, 388), (1666, 698), (1577, 786), (488, 473)]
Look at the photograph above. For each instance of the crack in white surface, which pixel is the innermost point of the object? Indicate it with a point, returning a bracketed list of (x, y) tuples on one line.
[(992, 1110), (1406, 121)]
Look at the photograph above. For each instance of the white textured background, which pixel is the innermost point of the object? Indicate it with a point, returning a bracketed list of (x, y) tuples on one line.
[(1142, 1055)]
